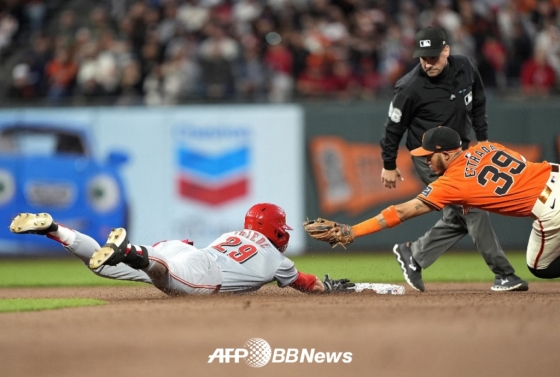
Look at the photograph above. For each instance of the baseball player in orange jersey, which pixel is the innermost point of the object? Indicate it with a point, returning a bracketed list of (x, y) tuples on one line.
[(488, 176), (239, 261)]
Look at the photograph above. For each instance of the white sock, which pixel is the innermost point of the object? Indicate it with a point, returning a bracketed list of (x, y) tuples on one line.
[(63, 235)]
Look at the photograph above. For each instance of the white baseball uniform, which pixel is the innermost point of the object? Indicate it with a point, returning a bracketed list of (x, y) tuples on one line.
[(241, 261), (544, 243), (248, 261)]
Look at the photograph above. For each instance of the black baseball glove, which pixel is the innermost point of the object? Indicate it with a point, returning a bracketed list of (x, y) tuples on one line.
[(340, 285)]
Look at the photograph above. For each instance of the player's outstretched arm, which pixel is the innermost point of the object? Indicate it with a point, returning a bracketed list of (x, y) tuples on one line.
[(391, 217), (412, 208), (341, 234)]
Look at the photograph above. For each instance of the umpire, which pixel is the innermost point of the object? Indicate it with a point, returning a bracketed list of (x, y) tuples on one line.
[(443, 90)]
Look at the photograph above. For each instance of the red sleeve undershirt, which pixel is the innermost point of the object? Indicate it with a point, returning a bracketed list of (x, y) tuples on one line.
[(304, 282)]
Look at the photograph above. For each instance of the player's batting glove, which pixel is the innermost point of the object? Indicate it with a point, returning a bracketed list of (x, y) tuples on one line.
[(340, 285)]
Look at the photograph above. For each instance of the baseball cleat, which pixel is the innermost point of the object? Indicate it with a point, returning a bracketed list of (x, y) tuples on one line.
[(113, 252), (509, 283), (31, 223), (411, 269)]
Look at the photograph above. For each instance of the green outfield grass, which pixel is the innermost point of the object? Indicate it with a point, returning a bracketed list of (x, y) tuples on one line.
[(359, 267), (51, 273), (383, 267), (364, 267), (34, 304)]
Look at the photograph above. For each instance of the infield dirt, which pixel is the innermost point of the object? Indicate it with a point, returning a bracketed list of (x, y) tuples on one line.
[(450, 330)]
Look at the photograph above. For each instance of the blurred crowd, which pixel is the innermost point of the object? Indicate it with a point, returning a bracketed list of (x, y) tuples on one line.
[(164, 52)]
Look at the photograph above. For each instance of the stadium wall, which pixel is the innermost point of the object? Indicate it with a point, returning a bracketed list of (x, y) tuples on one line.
[(346, 137), (192, 171)]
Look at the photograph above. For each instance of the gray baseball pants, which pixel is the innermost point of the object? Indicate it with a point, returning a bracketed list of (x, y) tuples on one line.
[(453, 226), (188, 269)]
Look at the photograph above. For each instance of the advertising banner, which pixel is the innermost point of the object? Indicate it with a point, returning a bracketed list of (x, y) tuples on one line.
[(167, 173)]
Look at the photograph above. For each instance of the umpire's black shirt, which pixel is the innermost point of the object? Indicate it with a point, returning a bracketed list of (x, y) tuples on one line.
[(455, 98)]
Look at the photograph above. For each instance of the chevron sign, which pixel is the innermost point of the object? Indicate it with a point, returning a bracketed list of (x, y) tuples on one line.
[(213, 163)]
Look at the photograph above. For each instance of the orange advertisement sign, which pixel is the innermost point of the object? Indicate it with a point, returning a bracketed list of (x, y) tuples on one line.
[(348, 176)]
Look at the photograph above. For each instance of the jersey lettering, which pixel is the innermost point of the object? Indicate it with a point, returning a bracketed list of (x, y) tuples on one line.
[(471, 165), (241, 254), (255, 237), (262, 242), (473, 161), (502, 160)]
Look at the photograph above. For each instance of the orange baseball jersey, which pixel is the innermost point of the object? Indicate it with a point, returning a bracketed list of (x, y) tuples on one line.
[(491, 177)]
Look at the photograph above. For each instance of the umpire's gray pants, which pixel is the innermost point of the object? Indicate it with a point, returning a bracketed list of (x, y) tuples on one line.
[(453, 226)]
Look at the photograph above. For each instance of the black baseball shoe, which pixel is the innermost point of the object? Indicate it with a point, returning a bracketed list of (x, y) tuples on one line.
[(113, 252), (117, 250), (411, 270), (509, 283), (31, 223)]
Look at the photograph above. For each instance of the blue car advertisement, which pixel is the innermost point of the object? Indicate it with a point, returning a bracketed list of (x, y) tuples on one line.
[(45, 167)]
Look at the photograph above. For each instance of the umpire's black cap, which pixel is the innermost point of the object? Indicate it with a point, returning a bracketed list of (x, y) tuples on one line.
[(439, 139), (429, 41)]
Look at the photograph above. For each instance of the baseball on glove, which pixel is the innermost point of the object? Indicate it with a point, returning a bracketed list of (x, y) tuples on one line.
[(329, 231)]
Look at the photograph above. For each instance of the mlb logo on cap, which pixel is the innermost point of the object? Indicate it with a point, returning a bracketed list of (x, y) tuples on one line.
[(429, 41)]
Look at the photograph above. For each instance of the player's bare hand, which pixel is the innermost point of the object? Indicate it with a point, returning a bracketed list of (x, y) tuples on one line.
[(389, 177), (466, 209)]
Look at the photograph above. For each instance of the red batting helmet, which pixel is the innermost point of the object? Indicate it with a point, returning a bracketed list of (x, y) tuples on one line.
[(270, 220)]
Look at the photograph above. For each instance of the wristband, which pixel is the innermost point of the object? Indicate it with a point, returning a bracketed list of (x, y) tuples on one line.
[(304, 282), (391, 216), (372, 225)]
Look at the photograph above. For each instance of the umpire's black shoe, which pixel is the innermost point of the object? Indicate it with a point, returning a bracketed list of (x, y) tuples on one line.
[(31, 223), (411, 270), (509, 283), (119, 250)]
